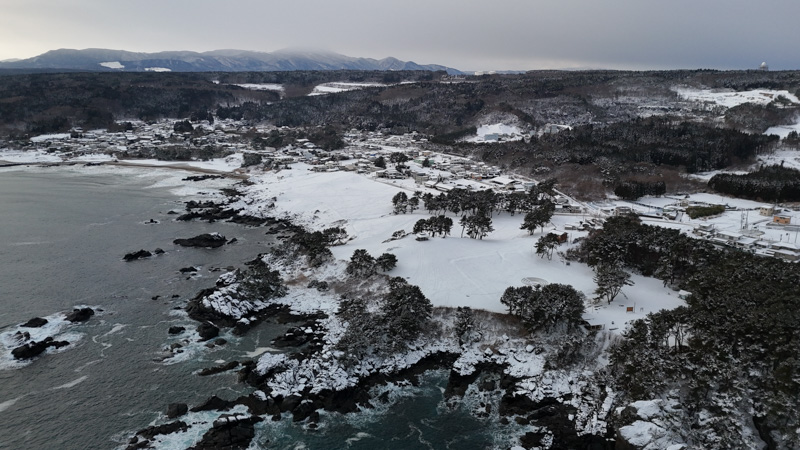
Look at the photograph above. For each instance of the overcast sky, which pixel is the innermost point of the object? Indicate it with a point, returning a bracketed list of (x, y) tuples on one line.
[(466, 34)]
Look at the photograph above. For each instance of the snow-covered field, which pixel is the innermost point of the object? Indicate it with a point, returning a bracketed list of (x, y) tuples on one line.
[(342, 86), (227, 164), (787, 158), (451, 271), (729, 98), (50, 137), (262, 86), (112, 65), (32, 156), (491, 133)]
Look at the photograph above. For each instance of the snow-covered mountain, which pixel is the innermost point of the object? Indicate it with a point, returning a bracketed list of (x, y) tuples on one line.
[(103, 60)]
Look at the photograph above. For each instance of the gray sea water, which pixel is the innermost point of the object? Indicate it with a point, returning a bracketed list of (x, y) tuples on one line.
[(63, 233)]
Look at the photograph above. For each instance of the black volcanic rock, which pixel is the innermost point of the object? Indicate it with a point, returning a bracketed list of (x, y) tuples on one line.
[(133, 256), (80, 315), (167, 428), (36, 322), (214, 403), (230, 431), (176, 330), (219, 369), (207, 331), (207, 240), (202, 177), (32, 349), (176, 410)]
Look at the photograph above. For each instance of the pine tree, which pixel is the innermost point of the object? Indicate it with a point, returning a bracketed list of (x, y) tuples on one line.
[(386, 262), (478, 225), (539, 217), (406, 311), (362, 264), (610, 279), (400, 202), (465, 327), (546, 245), (261, 283)]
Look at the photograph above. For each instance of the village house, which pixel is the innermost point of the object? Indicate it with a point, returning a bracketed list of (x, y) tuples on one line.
[(766, 210), (782, 219)]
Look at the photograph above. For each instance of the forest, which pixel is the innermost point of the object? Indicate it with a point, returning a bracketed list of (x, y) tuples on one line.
[(768, 184), (731, 352)]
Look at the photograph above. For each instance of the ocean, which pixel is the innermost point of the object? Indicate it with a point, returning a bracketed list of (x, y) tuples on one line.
[(63, 233)]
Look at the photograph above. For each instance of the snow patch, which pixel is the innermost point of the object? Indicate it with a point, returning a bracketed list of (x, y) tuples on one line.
[(262, 86), (50, 137), (729, 98), (112, 65), (782, 131), (496, 132), (227, 164), (643, 435), (333, 88)]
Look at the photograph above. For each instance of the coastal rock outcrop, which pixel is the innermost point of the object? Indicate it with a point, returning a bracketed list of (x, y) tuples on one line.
[(207, 240), (207, 331), (167, 428), (214, 403), (80, 315), (35, 322), (233, 431), (176, 410), (219, 369), (133, 256), (34, 348)]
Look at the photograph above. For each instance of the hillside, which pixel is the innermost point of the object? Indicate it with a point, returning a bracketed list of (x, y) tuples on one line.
[(104, 60)]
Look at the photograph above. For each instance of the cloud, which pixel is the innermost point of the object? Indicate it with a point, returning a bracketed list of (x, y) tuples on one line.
[(503, 34)]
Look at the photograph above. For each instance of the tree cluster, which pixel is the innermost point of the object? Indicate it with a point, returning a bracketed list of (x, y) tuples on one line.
[(538, 217), (403, 204), (398, 318), (695, 212), (363, 265), (464, 201), (649, 250), (547, 307), (313, 245), (434, 225), (731, 352), (261, 283), (477, 207), (767, 184), (633, 189)]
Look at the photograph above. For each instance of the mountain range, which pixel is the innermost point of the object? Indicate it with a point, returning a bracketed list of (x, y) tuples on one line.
[(103, 60)]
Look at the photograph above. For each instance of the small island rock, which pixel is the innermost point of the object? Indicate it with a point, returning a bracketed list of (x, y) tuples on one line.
[(207, 240), (36, 322)]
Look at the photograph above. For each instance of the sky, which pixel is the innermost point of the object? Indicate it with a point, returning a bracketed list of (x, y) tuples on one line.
[(465, 34)]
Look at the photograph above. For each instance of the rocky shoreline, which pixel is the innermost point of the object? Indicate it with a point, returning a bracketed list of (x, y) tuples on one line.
[(551, 417), (28, 348)]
